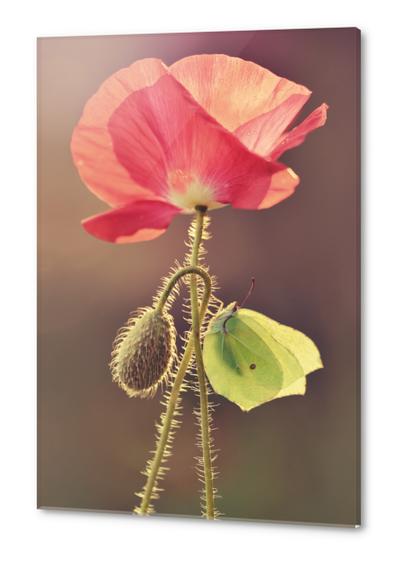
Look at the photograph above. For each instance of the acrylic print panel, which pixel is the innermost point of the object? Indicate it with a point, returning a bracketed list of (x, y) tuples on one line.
[(246, 144)]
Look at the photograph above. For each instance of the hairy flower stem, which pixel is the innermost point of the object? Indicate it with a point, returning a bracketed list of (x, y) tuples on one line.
[(202, 383), (157, 460), (191, 269)]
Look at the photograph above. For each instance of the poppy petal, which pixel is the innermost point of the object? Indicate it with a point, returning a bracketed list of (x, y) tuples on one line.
[(135, 222), (261, 134), (161, 132), (233, 90), (297, 135), (282, 186), (91, 144)]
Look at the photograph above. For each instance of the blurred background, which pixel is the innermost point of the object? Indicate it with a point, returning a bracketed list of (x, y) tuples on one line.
[(294, 459)]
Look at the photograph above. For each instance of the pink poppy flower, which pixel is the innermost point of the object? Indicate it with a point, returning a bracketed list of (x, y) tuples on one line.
[(155, 141)]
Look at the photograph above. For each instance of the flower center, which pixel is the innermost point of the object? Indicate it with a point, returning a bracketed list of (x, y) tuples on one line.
[(186, 191)]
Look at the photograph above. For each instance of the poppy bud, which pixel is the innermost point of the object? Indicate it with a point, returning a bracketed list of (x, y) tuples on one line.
[(143, 352)]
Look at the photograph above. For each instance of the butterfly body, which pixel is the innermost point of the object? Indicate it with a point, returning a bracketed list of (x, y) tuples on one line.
[(251, 359)]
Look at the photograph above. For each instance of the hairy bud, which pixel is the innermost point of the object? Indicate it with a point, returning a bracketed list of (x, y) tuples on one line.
[(143, 352)]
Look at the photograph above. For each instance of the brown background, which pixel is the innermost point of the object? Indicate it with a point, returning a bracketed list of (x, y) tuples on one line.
[(294, 459)]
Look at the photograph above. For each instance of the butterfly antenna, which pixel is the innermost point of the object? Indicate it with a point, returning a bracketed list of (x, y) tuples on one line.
[(250, 291), (237, 306)]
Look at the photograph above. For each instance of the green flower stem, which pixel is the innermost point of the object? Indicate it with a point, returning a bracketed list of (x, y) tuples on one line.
[(191, 269), (204, 413), (172, 402)]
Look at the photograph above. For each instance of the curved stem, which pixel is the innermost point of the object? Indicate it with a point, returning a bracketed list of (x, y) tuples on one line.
[(191, 269), (204, 413), (154, 467)]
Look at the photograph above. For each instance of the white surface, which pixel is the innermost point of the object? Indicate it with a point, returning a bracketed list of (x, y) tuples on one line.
[(30, 534)]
